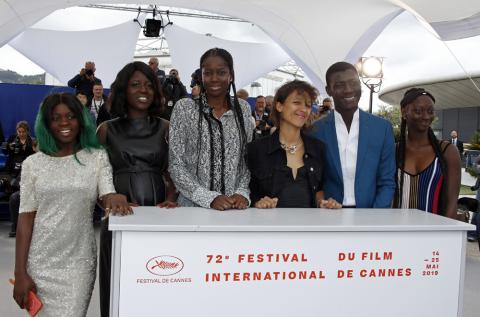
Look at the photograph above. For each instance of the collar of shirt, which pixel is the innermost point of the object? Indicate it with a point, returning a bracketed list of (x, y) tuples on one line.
[(259, 116)]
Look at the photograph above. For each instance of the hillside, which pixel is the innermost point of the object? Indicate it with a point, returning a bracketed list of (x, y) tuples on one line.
[(8, 76)]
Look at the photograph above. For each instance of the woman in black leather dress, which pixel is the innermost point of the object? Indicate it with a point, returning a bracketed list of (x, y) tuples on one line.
[(287, 166), (137, 146)]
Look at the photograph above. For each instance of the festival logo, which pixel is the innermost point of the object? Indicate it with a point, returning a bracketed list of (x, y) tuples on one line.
[(164, 265)]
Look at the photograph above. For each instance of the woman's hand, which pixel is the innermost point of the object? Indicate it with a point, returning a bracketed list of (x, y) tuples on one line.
[(23, 285), (330, 203), (266, 203), (222, 202), (239, 202), (116, 204), (168, 204)]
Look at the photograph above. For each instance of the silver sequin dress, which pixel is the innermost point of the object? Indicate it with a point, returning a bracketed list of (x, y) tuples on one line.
[(62, 257)]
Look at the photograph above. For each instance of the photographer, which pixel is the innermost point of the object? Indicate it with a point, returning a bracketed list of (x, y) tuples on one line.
[(19, 147), (262, 121), (85, 81), (326, 107), (173, 90)]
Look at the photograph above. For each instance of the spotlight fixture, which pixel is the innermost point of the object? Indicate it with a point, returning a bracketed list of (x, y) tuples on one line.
[(153, 26), (370, 70)]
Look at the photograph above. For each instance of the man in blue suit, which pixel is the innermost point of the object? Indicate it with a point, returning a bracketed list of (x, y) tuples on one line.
[(360, 150)]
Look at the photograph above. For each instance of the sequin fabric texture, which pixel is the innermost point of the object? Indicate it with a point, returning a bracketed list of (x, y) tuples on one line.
[(189, 154), (62, 257)]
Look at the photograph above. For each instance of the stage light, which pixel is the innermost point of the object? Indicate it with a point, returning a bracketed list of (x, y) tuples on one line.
[(372, 67), (370, 70), (152, 28)]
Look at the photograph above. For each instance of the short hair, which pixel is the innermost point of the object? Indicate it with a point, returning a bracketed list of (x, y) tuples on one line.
[(300, 86), (118, 90), (97, 84), (259, 96), (86, 138), (336, 68), (242, 93), (23, 124), (328, 99), (80, 93)]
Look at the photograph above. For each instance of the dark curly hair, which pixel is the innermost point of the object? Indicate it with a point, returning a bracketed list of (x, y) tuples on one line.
[(118, 92), (284, 91)]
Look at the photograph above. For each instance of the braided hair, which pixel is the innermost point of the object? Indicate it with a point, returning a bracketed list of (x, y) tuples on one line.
[(235, 106), (410, 96)]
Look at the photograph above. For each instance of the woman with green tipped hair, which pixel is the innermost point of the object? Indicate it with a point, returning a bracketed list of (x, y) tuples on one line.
[(55, 248)]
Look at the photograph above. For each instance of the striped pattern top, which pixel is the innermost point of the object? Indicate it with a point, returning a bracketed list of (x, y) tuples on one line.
[(422, 191)]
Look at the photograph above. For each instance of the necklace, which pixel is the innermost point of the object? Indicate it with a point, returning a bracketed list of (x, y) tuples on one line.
[(291, 149)]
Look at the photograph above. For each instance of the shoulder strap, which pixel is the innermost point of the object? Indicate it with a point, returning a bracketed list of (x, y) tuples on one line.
[(444, 145)]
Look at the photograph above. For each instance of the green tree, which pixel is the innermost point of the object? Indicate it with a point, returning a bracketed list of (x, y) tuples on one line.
[(392, 114)]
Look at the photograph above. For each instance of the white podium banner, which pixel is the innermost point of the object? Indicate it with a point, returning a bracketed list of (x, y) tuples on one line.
[(290, 273)]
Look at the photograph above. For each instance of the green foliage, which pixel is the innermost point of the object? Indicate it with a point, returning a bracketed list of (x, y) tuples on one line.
[(392, 114), (465, 190), (474, 145), (8, 76), (474, 142), (472, 171)]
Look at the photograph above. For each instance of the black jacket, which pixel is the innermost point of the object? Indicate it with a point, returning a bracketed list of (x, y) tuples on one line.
[(84, 85), (459, 145), (267, 162), (17, 154)]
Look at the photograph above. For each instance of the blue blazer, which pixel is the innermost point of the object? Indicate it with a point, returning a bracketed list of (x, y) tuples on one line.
[(375, 172)]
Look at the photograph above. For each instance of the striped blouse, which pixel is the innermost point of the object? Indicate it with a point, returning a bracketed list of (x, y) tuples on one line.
[(422, 191)]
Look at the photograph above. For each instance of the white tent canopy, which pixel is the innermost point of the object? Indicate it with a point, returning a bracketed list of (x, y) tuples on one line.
[(63, 53), (302, 28), (186, 47)]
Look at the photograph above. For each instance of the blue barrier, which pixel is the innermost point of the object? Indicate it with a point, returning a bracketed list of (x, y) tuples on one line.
[(20, 102)]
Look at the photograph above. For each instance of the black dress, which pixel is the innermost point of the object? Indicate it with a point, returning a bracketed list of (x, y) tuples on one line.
[(138, 152)]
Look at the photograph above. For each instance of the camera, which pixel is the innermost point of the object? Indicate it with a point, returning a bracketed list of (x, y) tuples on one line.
[(173, 80), (16, 145), (262, 125), (89, 72)]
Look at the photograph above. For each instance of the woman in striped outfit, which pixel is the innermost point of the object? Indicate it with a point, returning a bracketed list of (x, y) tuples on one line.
[(428, 170)]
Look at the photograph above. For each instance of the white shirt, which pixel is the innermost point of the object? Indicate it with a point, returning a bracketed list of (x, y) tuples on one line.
[(95, 107), (347, 149)]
